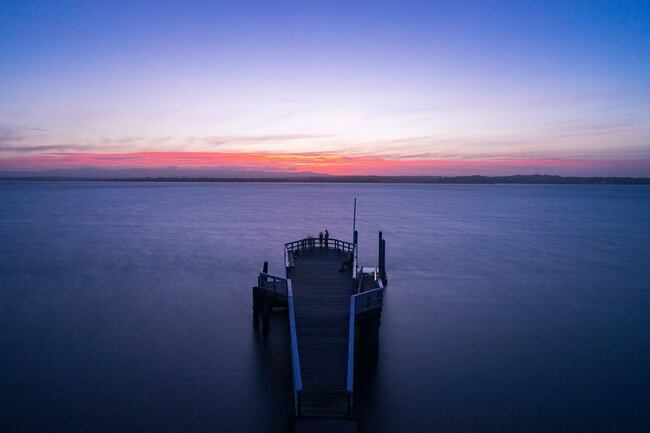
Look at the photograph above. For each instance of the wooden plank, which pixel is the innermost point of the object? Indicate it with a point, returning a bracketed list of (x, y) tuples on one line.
[(321, 297)]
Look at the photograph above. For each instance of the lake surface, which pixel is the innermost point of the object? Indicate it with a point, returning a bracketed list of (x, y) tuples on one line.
[(126, 307)]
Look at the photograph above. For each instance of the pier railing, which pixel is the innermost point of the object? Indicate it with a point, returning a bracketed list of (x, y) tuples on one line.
[(295, 354), (370, 300), (312, 243), (282, 288), (367, 278), (360, 303), (276, 285), (306, 244), (350, 382)]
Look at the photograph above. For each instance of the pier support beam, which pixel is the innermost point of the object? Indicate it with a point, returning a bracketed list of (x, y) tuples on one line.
[(373, 336), (256, 307), (266, 313), (368, 336), (261, 309)]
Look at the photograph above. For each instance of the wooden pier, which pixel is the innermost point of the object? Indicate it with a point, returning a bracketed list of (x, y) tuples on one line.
[(334, 308)]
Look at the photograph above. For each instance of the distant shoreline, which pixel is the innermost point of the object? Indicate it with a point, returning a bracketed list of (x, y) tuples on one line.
[(461, 180)]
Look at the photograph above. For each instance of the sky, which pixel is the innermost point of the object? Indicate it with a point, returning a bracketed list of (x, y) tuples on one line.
[(399, 88)]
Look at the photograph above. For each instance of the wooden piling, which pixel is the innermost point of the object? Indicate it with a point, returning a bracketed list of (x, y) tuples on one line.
[(266, 312), (256, 307), (382, 259)]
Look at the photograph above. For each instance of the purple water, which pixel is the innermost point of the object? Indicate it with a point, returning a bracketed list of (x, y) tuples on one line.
[(126, 307)]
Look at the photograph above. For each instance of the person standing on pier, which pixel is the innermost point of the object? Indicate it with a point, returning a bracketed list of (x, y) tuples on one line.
[(327, 238), (320, 240)]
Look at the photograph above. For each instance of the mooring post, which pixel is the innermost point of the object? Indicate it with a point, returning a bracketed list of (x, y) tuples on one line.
[(384, 275), (259, 301), (379, 260)]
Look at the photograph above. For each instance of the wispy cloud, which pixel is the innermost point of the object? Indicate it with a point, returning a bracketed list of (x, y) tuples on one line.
[(255, 139), (13, 141), (45, 148)]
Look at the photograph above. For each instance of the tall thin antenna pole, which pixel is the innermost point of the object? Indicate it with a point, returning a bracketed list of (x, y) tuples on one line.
[(354, 218)]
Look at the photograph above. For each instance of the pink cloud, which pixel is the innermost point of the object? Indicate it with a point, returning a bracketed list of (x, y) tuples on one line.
[(328, 163)]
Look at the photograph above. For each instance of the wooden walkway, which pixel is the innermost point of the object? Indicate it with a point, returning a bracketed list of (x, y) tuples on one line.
[(322, 306), (332, 315)]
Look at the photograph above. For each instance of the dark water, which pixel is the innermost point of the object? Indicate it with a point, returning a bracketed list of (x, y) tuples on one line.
[(127, 307)]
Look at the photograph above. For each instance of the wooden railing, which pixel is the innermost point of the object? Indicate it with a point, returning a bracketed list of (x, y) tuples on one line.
[(306, 244), (350, 382), (359, 304), (276, 285), (369, 300), (281, 287), (295, 354), (312, 243)]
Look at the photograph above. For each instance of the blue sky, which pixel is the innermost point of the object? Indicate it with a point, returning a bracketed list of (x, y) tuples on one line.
[(438, 81)]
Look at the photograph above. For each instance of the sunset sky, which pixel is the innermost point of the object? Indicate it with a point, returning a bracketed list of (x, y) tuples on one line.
[(330, 87)]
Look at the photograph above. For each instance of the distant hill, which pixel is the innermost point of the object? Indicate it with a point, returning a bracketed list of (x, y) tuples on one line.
[(219, 175)]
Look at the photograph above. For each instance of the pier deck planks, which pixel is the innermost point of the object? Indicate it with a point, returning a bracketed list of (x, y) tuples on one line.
[(321, 300)]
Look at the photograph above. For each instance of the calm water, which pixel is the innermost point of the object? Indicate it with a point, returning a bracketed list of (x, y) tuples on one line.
[(126, 307)]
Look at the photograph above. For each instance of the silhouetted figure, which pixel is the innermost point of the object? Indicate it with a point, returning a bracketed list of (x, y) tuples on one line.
[(327, 238), (320, 240)]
